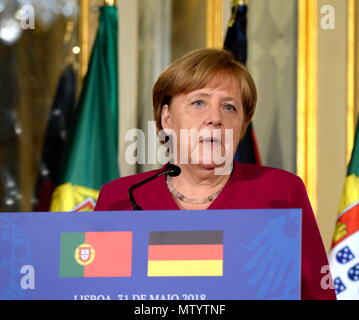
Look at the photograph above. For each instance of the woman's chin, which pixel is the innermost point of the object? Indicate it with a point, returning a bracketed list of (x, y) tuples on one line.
[(210, 166)]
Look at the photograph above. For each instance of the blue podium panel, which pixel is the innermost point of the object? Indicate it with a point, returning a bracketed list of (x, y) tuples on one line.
[(151, 255)]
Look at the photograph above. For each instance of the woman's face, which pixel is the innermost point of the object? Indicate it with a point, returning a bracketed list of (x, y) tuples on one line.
[(207, 123)]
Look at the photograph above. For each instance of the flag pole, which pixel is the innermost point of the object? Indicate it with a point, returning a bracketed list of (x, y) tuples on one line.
[(84, 37)]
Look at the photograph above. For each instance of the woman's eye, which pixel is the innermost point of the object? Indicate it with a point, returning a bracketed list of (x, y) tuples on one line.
[(229, 107), (198, 103)]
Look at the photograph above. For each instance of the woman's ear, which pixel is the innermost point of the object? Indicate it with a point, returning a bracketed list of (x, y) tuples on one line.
[(166, 120)]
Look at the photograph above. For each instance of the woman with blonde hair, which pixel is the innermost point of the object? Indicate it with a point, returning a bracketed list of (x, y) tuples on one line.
[(208, 92)]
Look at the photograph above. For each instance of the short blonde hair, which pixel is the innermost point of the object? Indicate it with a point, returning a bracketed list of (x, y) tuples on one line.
[(196, 69)]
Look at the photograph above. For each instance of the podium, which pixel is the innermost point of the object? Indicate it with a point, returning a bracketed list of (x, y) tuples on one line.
[(151, 255)]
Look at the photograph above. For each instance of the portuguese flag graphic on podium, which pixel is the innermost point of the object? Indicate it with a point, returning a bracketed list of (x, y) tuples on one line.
[(96, 254)]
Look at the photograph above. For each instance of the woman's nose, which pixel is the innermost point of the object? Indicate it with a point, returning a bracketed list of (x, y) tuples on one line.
[(214, 118)]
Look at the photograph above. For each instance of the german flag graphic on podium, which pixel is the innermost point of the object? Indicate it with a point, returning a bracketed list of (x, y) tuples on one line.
[(185, 254), (96, 254)]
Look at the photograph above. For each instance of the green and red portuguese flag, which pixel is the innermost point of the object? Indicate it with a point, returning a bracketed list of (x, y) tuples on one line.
[(96, 254), (91, 156), (344, 254), (185, 253)]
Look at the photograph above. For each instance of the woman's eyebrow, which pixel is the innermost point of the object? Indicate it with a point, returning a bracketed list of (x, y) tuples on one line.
[(231, 99), (206, 95), (199, 94)]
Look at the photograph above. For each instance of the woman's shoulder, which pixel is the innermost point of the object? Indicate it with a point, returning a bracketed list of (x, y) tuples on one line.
[(253, 172), (270, 184), (114, 195), (127, 181)]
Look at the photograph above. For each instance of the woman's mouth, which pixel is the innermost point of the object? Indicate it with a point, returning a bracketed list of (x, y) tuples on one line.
[(210, 140)]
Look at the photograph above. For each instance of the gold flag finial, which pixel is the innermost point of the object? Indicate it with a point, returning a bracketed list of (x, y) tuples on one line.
[(110, 2), (239, 2)]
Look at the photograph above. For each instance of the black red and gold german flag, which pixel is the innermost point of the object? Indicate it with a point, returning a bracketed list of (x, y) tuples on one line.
[(185, 253)]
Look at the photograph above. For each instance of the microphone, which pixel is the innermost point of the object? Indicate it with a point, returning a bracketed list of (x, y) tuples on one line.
[(172, 170)]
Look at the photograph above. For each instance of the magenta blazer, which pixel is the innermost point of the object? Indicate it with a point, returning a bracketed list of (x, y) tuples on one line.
[(249, 187)]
